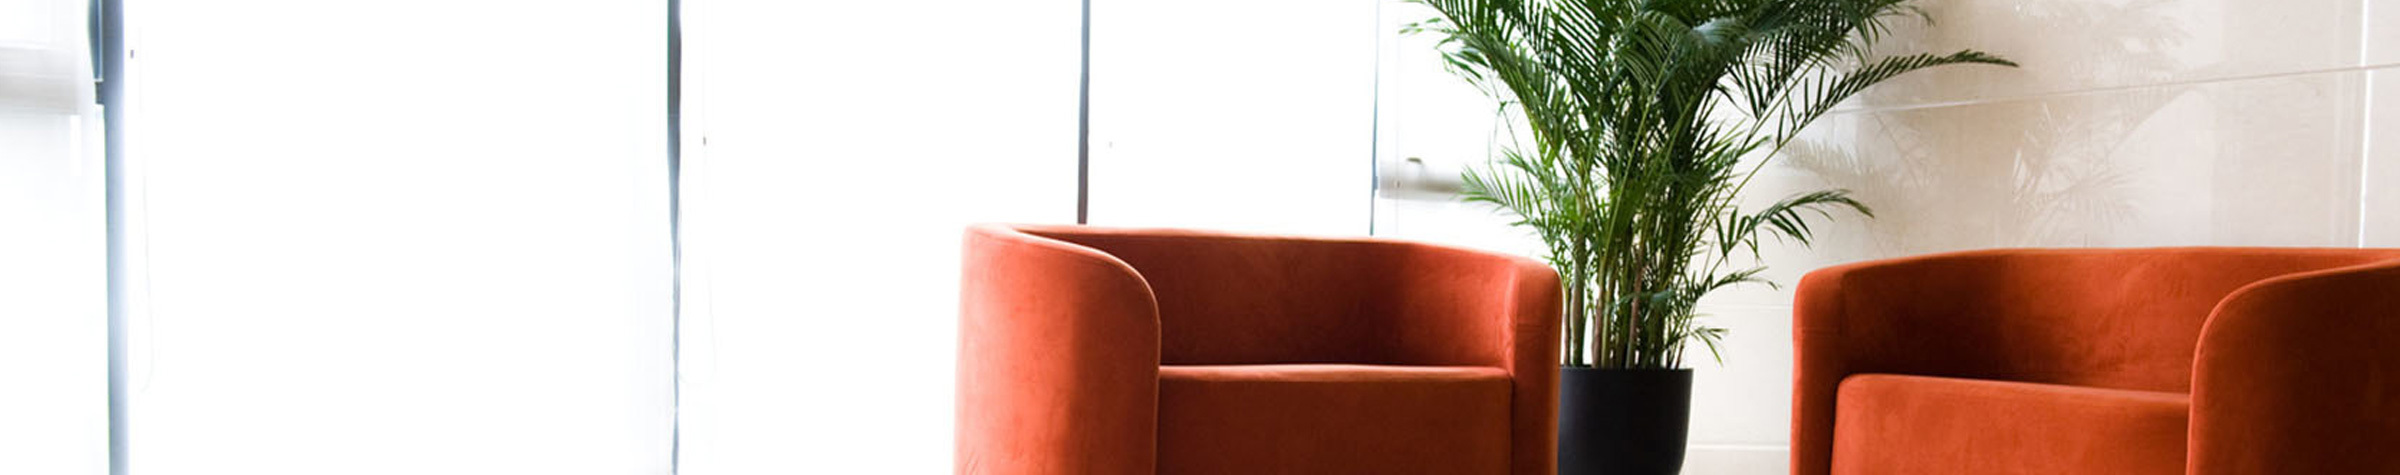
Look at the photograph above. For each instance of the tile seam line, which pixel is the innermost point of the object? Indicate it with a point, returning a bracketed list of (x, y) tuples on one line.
[(1762, 447), (2366, 118), (2111, 89), (1747, 306)]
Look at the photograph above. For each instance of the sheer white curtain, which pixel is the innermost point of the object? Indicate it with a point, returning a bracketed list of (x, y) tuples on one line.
[(836, 151), (399, 237), (53, 256)]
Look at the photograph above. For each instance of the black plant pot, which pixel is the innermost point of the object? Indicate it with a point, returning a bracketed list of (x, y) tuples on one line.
[(1622, 421)]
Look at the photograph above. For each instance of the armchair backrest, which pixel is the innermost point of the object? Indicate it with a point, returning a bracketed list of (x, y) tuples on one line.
[(1241, 299)]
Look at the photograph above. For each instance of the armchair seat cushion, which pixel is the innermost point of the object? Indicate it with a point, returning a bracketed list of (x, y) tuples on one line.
[(1333, 418), (1899, 424)]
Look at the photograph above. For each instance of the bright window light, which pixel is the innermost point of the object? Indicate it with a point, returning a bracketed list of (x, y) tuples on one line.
[(399, 237), (835, 153), (53, 254), (1254, 115)]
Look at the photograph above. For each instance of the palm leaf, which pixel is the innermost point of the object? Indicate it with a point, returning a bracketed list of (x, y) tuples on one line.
[(1641, 114)]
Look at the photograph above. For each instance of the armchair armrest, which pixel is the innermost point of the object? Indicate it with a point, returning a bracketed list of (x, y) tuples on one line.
[(1534, 303), (2301, 374), (1057, 360), (1463, 306), (1450, 306)]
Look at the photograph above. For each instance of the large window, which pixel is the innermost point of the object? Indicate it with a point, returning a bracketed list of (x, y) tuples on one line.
[(399, 237), (439, 236)]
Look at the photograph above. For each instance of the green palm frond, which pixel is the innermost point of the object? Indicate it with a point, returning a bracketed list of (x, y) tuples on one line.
[(1788, 219), (1641, 116), (1713, 338)]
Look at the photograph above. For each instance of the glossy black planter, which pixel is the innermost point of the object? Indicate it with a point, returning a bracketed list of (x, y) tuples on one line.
[(1623, 421)]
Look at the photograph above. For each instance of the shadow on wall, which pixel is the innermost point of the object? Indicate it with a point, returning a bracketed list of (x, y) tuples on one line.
[(2043, 170)]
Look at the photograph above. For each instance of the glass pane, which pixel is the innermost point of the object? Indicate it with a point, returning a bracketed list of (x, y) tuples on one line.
[(1251, 115), (400, 237), (53, 247), (835, 154), (53, 296)]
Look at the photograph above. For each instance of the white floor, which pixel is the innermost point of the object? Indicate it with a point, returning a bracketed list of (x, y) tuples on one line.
[(1737, 460)]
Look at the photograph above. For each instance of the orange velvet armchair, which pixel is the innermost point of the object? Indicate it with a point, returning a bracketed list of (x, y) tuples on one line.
[(1111, 351), (2129, 361)]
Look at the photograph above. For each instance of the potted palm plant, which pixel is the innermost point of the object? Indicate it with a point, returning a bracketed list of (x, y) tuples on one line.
[(1647, 119)]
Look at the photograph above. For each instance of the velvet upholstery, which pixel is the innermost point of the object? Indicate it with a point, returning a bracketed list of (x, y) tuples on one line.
[(1120, 351), (2301, 374), (2176, 321), (1302, 419), (2024, 428)]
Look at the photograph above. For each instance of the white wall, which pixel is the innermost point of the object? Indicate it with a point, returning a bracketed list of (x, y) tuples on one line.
[(2132, 123)]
